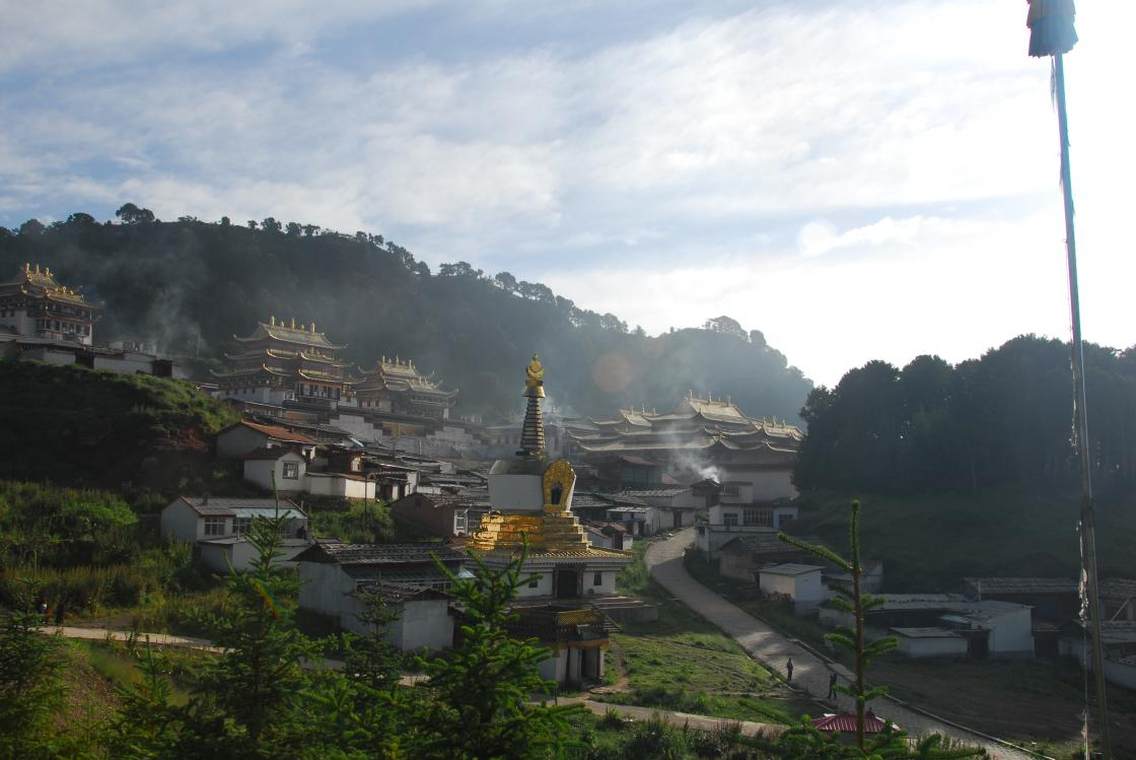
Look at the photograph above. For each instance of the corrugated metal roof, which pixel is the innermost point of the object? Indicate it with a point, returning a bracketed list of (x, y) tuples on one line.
[(1022, 585), (846, 723)]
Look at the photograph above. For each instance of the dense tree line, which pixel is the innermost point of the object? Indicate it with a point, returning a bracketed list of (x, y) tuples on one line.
[(190, 285), (1003, 419)]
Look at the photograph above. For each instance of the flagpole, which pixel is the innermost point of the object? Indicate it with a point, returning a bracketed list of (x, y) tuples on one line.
[(1081, 421)]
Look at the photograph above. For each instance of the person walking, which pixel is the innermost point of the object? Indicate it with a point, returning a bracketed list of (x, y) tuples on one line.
[(832, 685), (789, 670)]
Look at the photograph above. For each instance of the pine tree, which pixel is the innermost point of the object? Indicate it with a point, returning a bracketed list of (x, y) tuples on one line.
[(30, 686), (804, 741), (147, 726), (247, 698), (482, 687)]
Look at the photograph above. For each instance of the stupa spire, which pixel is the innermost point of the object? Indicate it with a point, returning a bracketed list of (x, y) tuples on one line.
[(532, 432)]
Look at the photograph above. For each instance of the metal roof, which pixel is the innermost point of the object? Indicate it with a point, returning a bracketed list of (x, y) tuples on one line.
[(1022, 585), (790, 568), (381, 554), (925, 633)]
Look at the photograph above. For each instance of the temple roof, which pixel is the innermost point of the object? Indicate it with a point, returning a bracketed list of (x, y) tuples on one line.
[(296, 334), (42, 283), (401, 376), (696, 424)]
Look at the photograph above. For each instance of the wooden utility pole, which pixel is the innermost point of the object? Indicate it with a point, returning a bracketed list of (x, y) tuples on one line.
[(1052, 34)]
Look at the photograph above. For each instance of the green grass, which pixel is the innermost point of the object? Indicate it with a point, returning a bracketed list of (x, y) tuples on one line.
[(682, 663)]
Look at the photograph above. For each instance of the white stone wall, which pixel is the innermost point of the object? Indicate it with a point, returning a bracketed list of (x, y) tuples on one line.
[(358, 427), (1012, 633), (760, 485), (516, 493), (953, 646), (260, 472), (607, 582), (180, 523), (128, 363), (325, 589), (543, 584), (424, 624), (805, 588)]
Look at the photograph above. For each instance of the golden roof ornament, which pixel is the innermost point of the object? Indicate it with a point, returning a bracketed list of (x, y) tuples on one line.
[(534, 378)]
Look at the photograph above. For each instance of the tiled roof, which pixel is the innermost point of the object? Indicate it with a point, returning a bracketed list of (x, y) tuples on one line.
[(662, 493), (1118, 589), (225, 506), (275, 431), (381, 554), (791, 568), (397, 593), (1022, 585), (925, 633), (263, 454)]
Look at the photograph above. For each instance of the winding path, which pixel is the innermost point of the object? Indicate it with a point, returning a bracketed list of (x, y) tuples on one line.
[(772, 649)]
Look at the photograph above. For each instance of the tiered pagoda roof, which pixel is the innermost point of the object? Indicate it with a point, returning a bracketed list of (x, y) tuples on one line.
[(277, 353), (41, 283), (401, 376), (293, 333), (696, 424)]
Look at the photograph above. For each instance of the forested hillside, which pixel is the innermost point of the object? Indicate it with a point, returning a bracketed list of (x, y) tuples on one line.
[(1004, 420), (132, 433), (191, 285)]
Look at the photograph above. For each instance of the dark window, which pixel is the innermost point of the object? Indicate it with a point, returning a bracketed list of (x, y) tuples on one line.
[(598, 580), (291, 470), (758, 517), (730, 519)]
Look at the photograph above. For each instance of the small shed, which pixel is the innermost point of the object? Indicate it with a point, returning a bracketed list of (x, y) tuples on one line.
[(799, 583), (929, 642)]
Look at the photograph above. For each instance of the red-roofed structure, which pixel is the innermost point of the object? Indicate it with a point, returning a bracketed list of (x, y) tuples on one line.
[(245, 437), (845, 723)]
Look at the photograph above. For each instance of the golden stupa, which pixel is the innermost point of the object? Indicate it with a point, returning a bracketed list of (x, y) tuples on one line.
[(548, 529)]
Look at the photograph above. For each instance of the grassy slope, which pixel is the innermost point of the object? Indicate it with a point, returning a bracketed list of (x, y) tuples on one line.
[(80, 427), (681, 662), (929, 543)]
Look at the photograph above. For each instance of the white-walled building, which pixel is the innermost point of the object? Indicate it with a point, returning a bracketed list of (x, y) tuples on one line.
[(246, 436), (737, 515), (929, 642), (218, 528), (287, 466), (801, 584), (341, 484), (990, 627), (336, 578)]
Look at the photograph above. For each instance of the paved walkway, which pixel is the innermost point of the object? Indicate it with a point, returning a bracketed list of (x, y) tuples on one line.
[(157, 639), (679, 719), (810, 673), (750, 728)]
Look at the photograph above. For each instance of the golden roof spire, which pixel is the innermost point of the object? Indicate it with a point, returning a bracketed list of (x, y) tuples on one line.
[(534, 378)]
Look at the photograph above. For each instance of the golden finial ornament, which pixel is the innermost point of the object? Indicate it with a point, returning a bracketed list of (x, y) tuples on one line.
[(534, 378)]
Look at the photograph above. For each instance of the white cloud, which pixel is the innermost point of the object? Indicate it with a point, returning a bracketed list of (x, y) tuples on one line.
[(779, 165)]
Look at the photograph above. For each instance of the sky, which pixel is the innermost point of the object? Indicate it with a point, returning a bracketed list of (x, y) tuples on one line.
[(857, 179)]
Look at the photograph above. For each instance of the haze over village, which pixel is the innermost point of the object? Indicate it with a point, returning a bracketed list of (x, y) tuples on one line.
[(506, 380)]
